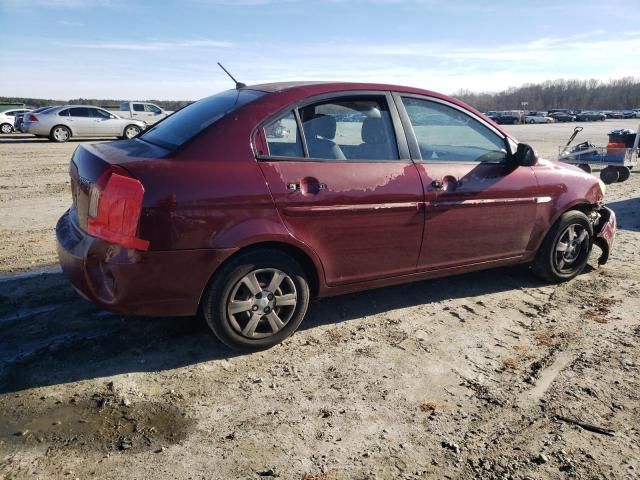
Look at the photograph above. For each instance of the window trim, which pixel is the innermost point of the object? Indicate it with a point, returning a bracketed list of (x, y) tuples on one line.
[(412, 140), (398, 130)]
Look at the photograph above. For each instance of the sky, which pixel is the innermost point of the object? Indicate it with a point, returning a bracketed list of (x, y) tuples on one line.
[(167, 50)]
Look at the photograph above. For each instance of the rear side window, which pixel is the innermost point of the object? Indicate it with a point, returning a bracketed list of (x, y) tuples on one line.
[(178, 128), (62, 113), (283, 137), (349, 128), (79, 112)]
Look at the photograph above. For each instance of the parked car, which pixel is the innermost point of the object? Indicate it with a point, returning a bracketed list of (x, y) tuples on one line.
[(614, 114), (636, 112), (507, 118), (62, 123), (19, 118), (628, 114), (148, 113), (538, 117), (206, 212), (562, 116), (8, 118), (590, 116)]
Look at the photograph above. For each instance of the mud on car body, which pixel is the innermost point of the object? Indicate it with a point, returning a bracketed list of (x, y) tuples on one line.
[(364, 186)]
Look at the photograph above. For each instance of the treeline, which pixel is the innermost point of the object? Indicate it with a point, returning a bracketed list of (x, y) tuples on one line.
[(620, 94), (41, 102)]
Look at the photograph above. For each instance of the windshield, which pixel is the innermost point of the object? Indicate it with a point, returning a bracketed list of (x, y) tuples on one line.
[(184, 124)]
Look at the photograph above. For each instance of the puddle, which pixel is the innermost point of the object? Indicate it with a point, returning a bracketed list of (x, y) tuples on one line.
[(102, 423)]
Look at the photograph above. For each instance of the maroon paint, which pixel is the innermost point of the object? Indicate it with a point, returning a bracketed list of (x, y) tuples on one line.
[(375, 223)]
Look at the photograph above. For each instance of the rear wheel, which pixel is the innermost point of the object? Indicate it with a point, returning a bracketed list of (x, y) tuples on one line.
[(623, 174), (257, 299), (6, 128), (131, 131), (60, 134), (566, 248)]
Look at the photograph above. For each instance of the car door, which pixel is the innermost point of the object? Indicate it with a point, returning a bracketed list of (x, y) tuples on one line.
[(480, 207), (80, 122), (105, 124), (341, 177)]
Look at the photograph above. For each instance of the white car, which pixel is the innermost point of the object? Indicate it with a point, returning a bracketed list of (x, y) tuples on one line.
[(538, 117), (8, 118), (62, 123), (148, 113)]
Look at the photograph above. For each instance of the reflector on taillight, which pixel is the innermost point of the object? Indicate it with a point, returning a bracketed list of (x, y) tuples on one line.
[(114, 209)]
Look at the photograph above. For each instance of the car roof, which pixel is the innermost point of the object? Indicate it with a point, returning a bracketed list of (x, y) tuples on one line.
[(319, 87)]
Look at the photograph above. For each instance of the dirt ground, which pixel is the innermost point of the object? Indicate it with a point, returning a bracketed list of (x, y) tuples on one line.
[(485, 375)]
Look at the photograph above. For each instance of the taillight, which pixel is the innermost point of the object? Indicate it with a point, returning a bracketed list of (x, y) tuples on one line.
[(32, 118), (115, 204)]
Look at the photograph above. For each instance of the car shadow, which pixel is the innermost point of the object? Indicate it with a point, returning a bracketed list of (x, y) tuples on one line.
[(50, 336), (627, 213)]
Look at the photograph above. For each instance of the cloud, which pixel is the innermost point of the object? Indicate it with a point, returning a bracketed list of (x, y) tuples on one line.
[(150, 46)]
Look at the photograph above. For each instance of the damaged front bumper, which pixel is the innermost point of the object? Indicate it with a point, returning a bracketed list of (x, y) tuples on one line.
[(604, 230)]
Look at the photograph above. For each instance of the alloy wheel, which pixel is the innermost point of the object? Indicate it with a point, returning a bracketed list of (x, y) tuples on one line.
[(569, 247), (261, 303)]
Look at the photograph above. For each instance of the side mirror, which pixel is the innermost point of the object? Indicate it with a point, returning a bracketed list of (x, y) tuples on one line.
[(525, 156)]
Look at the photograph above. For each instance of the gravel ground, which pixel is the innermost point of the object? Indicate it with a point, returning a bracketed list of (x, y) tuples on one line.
[(486, 375)]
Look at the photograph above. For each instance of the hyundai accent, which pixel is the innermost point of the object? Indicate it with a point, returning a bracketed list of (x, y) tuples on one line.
[(248, 203)]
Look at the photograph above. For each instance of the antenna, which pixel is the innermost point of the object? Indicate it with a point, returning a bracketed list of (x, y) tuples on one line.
[(239, 85)]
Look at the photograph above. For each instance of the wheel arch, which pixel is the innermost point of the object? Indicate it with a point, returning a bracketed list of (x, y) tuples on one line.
[(312, 270)]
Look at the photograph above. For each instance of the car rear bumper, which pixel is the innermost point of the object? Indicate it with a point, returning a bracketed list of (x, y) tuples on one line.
[(605, 232), (159, 283)]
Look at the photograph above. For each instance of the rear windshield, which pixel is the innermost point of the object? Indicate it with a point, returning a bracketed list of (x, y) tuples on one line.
[(183, 125)]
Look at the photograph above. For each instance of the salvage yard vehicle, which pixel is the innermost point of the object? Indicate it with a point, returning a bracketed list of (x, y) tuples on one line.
[(62, 123), (561, 116), (538, 117), (148, 113), (207, 212), (8, 119), (590, 117)]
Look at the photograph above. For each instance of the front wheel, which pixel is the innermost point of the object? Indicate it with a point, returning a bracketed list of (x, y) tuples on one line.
[(566, 248), (131, 131), (257, 299)]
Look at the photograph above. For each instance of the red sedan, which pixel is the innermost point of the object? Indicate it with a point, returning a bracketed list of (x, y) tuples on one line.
[(246, 204)]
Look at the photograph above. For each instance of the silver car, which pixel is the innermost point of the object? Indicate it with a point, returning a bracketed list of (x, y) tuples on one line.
[(62, 123)]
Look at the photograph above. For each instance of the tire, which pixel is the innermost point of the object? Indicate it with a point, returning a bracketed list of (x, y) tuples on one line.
[(60, 134), (566, 248), (259, 322), (531, 122), (130, 131), (585, 166), (609, 175), (623, 174), (6, 128)]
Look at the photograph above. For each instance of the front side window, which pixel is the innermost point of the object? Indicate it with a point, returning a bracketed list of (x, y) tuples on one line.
[(283, 137), (349, 129), (97, 113), (445, 134), (152, 109), (138, 107), (180, 127)]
